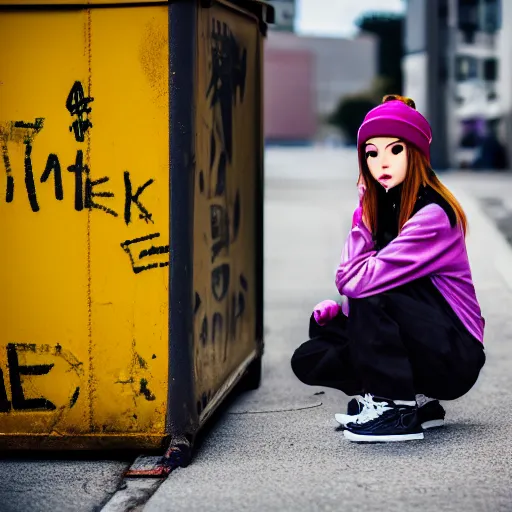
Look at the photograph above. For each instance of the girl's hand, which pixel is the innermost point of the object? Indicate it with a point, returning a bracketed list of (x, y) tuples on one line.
[(325, 311)]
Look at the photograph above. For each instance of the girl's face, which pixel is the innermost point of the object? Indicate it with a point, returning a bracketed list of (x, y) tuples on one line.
[(387, 160)]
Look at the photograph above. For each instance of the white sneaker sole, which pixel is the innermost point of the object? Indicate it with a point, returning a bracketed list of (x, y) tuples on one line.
[(381, 439), (432, 424), (344, 419)]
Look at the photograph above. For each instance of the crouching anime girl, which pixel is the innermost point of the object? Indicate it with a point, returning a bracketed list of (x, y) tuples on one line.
[(410, 332)]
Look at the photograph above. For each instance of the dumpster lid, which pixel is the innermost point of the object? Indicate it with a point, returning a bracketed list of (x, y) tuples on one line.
[(72, 3), (262, 9)]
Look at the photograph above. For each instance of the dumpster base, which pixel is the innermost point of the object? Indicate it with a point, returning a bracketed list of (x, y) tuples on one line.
[(245, 374), (178, 455), (83, 442), (179, 451)]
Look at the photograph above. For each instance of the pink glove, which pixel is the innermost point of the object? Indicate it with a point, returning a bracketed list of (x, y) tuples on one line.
[(325, 311)]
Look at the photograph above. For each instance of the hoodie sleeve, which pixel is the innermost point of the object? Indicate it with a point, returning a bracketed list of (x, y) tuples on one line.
[(426, 244), (359, 241)]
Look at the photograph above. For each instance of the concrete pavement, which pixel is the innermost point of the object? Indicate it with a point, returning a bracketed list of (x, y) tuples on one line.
[(278, 448), (58, 484)]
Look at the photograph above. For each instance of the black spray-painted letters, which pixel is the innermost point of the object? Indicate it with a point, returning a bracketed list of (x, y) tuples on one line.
[(19, 401), (144, 253), (89, 193), (77, 105)]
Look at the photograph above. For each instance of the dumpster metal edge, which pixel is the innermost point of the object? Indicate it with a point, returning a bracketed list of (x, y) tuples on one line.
[(260, 206), (182, 418)]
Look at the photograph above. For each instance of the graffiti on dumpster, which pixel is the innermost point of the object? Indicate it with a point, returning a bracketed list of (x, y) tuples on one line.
[(19, 400), (53, 164), (89, 193), (9, 193), (136, 377), (130, 198), (77, 105), (85, 195), (161, 249), (226, 289), (24, 132), (228, 74)]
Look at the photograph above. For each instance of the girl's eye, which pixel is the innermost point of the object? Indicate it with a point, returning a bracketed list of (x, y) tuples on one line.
[(397, 149), (372, 154)]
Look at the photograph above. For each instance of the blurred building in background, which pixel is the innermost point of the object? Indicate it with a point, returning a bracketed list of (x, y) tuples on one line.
[(305, 77), (504, 89), (284, 14), (457, 66)]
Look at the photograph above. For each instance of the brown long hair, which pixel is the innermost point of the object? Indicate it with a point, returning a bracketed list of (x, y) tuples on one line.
[(419, 172)]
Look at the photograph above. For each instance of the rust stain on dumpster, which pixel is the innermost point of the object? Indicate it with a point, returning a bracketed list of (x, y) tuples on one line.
[(81, 108), (153, 49)]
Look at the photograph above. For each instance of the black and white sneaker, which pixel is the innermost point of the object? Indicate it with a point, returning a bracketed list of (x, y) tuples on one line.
[(430, 412), (383, 421), (354, 407)]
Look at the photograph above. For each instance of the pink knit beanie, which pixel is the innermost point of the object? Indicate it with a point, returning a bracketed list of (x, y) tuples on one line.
[(396, 119)]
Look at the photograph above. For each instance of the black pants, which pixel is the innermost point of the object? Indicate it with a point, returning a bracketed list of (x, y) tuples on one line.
[(393, 345)]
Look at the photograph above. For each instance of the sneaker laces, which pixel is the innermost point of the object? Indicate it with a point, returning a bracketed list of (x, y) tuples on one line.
[(371, 409)]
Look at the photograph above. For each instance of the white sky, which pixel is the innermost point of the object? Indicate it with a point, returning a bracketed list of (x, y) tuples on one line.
[(337, 17)]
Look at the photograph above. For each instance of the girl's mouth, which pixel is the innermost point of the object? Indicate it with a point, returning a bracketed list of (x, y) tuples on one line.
[(385, 177)]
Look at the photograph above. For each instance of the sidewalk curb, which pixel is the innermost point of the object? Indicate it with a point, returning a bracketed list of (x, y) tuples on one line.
[(132, 494)]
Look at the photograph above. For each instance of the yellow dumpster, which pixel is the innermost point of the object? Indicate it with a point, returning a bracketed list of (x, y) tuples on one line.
[(130, 218)]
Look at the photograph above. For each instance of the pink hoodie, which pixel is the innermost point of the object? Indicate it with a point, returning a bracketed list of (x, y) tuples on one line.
[(426, 246)]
